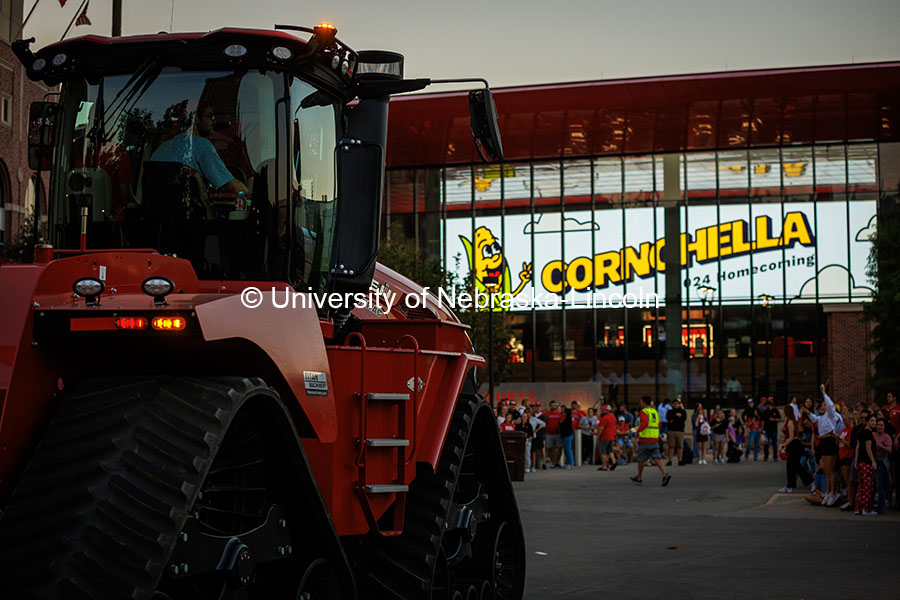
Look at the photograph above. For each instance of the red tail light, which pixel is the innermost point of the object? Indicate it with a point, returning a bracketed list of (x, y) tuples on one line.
[(131, 323)]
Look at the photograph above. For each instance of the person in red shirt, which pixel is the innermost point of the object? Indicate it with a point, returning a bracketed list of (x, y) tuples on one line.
[(577, 414), (892, 408), (554, 441), (606, 433), (508, 424)]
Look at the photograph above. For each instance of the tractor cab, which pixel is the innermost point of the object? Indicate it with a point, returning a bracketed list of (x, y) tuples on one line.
[(255, 155)]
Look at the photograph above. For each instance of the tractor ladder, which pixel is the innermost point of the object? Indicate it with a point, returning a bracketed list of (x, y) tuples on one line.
[(374, 448)]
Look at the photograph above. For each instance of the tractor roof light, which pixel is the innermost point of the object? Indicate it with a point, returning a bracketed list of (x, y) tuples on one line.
[(59, 59), (282, 53), (89, 288), (159, 288), (235, 50), (38, 64)]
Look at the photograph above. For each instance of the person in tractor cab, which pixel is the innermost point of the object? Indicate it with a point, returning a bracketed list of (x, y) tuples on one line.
[(196, 152)]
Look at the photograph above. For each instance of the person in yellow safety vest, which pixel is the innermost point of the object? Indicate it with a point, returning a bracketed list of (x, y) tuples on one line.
[(648, 442)]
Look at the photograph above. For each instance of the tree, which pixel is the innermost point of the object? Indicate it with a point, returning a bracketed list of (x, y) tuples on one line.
[(21, 248), (884, 309), (400, 254)]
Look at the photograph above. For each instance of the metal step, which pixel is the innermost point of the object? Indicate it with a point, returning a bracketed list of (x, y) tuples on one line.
[(386, 443), (386, 488), (385, 397)]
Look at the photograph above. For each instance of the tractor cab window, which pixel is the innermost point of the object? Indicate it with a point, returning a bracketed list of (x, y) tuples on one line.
[(314, 183), (183, 162)]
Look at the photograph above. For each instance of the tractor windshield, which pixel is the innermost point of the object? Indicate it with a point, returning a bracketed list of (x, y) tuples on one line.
[(230, 170)]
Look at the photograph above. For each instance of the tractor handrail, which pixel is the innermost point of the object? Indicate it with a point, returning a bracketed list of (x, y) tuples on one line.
[(361, 452), (415, 395)]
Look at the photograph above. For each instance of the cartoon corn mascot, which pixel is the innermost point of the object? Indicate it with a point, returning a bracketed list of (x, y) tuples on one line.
[(491, 270)]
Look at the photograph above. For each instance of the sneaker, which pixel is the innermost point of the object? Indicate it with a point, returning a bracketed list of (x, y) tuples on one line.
[(786, 490), (613, 466), (669, 463), (869, 513), (666, 479), (636, 480), (858, 512), (845, 506), (544, 466), (812, 489), (603, 469)]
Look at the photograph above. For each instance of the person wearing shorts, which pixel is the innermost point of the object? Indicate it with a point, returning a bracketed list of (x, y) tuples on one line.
[(553, 441), (827, 450), (606, 435), (648, 442)]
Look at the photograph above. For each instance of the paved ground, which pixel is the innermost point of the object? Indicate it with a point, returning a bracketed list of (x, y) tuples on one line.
[(717, 531)]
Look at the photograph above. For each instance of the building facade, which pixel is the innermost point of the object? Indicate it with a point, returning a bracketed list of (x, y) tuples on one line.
[(771, 182), (19, 187)]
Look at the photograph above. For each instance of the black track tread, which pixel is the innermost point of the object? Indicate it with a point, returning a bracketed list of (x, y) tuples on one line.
[(96, 513), (402, 567)]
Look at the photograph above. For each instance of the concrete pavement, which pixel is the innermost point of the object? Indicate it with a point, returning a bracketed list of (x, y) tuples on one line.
[(717, 531)]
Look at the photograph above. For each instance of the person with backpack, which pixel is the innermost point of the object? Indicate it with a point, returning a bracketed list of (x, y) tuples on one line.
[(702, 430)]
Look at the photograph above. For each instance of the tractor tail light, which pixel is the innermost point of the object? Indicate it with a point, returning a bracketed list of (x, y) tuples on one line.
[(168, 323), (131, 323)]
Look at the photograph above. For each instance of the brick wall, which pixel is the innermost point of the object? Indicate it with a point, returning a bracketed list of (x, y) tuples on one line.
[(848, 357), (14, 172)]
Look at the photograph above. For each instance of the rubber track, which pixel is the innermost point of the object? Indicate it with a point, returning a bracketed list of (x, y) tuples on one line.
[(96, 512), (403, 566)]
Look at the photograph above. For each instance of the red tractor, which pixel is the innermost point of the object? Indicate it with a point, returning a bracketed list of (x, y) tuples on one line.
[(187, 411)]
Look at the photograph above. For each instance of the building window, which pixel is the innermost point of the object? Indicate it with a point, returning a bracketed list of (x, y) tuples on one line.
[(6, 110)]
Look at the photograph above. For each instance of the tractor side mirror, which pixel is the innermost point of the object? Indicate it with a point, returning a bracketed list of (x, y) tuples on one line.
[(41, 134), (361, 175), (360, 158), (483, 115)]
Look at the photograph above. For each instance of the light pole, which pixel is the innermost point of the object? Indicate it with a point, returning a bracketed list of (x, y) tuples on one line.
[(706, 295), (491, 290), (690, 355), (766, 301)]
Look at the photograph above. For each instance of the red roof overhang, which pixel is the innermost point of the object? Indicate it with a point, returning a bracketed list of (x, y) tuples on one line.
[(660, 114)]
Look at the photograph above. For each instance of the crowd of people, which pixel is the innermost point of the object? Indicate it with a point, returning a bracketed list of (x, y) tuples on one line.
[(845, 455)]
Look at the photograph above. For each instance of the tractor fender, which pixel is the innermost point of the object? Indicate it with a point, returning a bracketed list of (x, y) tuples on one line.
[(292, 339)]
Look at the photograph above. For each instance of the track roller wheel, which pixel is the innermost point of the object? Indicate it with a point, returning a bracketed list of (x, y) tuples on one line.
[(507, 566), (487, 591), (457, 595), (319, 582), (472, 593)]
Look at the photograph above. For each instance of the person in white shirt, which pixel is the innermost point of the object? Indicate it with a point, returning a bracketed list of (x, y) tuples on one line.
[(828, 426)]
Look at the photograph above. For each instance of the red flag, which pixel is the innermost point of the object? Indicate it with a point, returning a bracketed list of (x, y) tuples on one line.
[(62, 2), (83, 18)]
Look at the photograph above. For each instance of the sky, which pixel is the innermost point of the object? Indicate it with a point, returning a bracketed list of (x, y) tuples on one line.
[(524, 42)]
